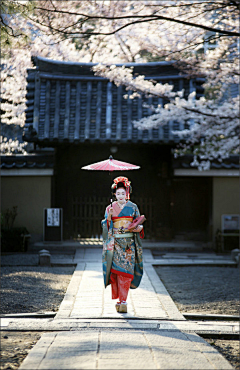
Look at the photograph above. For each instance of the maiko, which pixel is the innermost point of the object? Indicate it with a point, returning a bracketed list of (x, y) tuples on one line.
[(122, 250)]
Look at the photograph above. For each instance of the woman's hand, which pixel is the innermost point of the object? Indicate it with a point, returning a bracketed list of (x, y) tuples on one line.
[(110, 213), (138, 229)]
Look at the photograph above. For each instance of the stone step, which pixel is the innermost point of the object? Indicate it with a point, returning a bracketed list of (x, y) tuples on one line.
[(48, 324)]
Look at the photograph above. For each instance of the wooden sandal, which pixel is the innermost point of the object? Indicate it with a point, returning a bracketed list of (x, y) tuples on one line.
[(122, 308)]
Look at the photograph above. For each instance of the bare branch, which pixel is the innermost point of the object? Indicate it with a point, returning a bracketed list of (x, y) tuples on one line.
[(142, 19)]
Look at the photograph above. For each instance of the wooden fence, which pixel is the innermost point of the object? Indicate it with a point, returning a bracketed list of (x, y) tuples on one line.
[(87, 213)]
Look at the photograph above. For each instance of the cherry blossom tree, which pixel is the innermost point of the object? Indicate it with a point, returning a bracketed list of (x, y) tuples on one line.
[(21, 40)]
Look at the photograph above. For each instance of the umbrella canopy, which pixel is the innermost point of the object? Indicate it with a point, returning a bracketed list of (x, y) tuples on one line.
[(111, 165)]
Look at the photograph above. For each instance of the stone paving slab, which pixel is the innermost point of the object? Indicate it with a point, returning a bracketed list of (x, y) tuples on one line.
[(132, 349), (162, 293), (70, 295)]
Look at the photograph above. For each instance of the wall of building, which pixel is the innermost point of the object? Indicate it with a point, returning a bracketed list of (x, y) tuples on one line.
[(225, 199), (31, 194)]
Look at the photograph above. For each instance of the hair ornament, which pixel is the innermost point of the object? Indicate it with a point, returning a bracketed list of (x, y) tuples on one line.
[(126, 183)]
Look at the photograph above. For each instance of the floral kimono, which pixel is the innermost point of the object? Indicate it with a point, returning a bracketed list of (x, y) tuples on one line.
[(122, 250)]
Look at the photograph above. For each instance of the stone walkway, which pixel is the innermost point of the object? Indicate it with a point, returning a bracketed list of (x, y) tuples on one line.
[(87, 332)]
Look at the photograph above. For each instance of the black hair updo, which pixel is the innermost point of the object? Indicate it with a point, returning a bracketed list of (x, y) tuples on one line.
[(119, 185)]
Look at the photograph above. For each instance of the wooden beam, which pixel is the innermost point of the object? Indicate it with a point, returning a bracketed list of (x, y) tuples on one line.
[(77, 111), (98, 110), (47, 110), (67, 111), (57, 111), (109, 111), (88, 110), (119, 113)]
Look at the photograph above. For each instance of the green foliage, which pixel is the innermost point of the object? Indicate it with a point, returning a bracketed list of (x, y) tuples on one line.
[(150, 57), (8, 217), (212, 93)]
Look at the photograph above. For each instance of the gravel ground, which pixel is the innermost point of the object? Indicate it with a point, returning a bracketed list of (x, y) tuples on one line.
[(203, 289), (33, 288), (27, 287)]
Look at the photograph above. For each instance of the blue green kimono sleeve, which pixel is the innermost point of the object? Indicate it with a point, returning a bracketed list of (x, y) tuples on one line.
[(108, 246), (137, 214), (138, 268), (105, 226)]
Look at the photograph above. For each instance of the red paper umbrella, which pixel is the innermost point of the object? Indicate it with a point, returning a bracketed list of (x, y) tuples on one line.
[(111, 165)]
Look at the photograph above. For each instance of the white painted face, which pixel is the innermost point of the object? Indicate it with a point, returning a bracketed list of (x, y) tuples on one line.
[(121, 195)]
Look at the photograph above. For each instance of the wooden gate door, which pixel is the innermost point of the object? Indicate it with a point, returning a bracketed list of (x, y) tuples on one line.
[(87, 213)]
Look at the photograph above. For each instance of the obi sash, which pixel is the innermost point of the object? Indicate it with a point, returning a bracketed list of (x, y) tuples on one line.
[(120, 224)]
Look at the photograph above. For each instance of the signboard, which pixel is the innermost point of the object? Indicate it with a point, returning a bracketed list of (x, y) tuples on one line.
[(52, 224), (230, 222), (53, 217)]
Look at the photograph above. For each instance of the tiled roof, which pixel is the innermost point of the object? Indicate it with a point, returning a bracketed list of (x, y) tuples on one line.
[(36, 161), (67, 103)]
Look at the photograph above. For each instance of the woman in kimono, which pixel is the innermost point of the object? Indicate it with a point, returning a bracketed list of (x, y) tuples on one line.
[(122, 250)]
